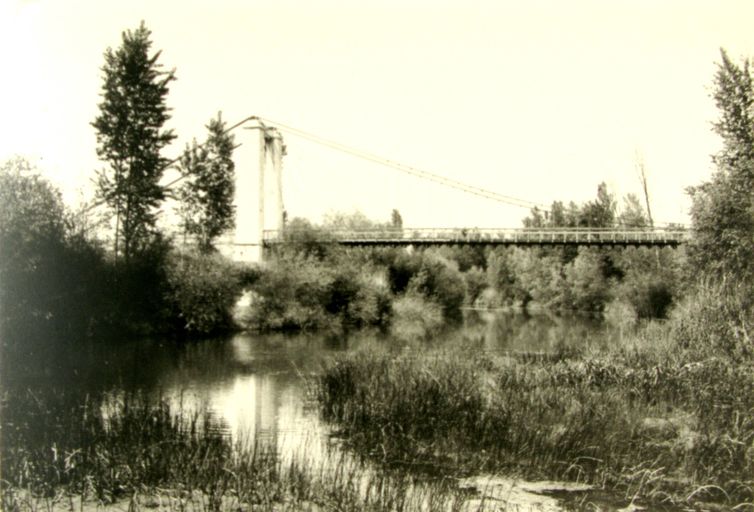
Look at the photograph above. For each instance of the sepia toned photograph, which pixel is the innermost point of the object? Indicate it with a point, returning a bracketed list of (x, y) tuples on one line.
[(361, 255)]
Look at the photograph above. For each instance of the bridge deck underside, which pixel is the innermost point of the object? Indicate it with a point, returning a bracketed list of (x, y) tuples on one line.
[(424, 241), (488, 237)]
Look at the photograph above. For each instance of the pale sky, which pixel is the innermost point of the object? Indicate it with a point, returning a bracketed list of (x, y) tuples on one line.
[(536, 100)]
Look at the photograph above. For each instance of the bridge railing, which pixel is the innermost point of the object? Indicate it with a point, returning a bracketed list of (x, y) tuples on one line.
[(660, 236)]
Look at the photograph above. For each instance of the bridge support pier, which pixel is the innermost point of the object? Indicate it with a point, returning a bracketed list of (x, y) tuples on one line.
[(259, 190)]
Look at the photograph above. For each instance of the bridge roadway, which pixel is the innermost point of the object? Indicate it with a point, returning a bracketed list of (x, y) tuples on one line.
[(504, 236)]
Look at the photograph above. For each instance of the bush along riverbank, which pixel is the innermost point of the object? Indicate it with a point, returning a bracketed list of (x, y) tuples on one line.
[(136, 454), (60, 281), (318, 286), (310, 283), (667, 417)]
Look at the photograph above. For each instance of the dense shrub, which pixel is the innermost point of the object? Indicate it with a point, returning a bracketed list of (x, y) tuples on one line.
[(138, 300), (715, 319), (431, 275), (400, 269), (303, 238), (475, 280), (57, 283), (586, 279), (650, 279), (299, 292), (415, 317), (53, 280), (500, 277), (538, 278), (440, 281), (291, 294), (370, 305), (32, 246), (587, 287), (620, 314), (202, 290)]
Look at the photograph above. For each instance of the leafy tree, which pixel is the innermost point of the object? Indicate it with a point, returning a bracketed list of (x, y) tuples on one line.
[(130, 137), (354, 221), (500, 274), (586, 283), (303, 238), (601, 212), (396, 221), (52, 279), (476, 282), (440, 281), (465, 256), (632, 215), (207, 193), (536, 219), (723, 208), (32, 232), (558, 215), (538, 277), (572, 214), (651, 279)]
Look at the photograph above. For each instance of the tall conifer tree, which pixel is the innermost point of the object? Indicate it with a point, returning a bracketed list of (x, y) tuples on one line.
[(130, 137)]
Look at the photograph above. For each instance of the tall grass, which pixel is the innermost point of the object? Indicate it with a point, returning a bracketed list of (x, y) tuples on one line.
[(58, 453), (667, 431), (716, 320)]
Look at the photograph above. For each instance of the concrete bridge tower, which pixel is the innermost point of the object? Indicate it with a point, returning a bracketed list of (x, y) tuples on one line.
[(259, 189)]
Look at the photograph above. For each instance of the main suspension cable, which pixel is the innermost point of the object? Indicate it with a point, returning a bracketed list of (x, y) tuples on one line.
[(449, 182)]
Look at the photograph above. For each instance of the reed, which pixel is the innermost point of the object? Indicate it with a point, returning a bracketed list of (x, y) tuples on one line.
[(130, 452), (669, 430)]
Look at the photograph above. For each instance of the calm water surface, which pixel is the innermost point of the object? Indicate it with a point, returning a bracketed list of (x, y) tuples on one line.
[(256, 385)]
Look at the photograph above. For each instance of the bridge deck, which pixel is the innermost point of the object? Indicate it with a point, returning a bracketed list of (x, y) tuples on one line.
[(432, 236)]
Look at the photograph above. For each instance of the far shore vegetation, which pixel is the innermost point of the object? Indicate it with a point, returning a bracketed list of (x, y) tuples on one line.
[(666, 416)]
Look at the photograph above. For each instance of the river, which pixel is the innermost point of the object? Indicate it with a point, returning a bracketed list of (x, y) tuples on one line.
[(256, 385)]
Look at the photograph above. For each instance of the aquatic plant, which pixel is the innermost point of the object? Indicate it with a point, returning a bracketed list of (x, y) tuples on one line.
[(58, 452), (597, 418)]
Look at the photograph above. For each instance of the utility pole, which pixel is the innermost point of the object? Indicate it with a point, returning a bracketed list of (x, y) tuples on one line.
[(642, 172)]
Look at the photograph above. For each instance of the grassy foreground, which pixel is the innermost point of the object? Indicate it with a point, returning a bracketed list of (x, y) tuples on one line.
[(132, 454), (657, 419)]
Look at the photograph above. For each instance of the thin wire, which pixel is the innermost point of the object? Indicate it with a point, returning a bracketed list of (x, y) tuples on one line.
[(471, 189), (523, 203)]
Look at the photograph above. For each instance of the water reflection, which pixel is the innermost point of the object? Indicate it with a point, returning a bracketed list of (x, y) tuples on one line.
[(255, 385), (514, 332)]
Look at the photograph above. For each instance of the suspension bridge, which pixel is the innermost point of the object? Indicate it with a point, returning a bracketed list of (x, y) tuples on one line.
[(260, 217), (476, 236)]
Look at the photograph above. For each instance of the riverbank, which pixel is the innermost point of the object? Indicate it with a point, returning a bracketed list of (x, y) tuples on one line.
[(665, 416), (258, 382)]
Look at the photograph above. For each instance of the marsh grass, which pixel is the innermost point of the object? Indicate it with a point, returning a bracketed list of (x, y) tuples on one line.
[(648, 424), (132, 453)]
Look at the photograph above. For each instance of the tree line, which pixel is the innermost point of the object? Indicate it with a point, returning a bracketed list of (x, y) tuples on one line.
[(130, 140), (143, 280), (58, 279)]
